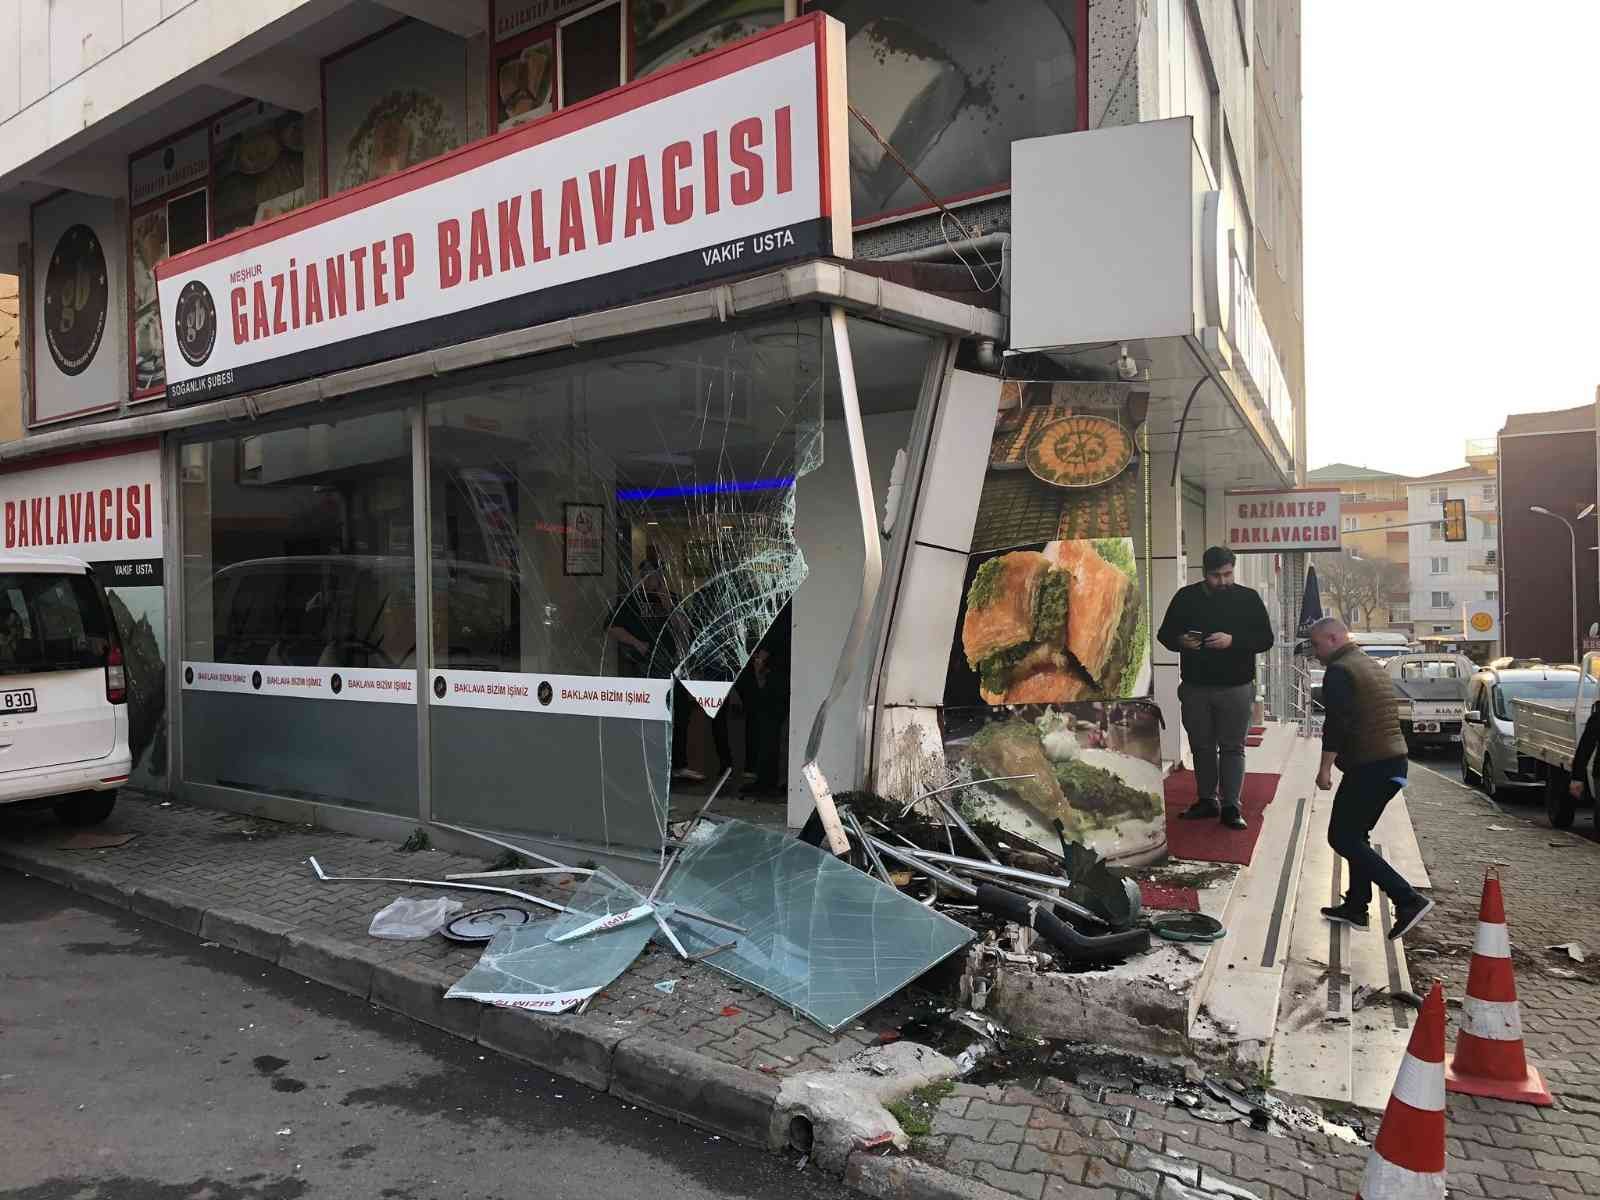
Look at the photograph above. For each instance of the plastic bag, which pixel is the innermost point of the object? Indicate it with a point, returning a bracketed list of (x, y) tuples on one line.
[(409, 920)]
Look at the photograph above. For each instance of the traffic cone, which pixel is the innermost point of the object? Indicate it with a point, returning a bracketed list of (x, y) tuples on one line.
[(1407, 1159), (1489, 1058)]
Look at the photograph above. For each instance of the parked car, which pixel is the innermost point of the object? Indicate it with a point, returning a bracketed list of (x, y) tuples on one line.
[(1489, 754), (63, 690), (1548, 732), (1432, 689)]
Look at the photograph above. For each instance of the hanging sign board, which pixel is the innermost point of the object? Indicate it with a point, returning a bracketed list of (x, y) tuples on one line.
[(729, 163), (101, 506), (1291, 519)]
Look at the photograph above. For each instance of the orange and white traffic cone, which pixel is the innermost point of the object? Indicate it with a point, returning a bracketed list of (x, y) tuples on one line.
[(1407, 1159), (1490, 1059)]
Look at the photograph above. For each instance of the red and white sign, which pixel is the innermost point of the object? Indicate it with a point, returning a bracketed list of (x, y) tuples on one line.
[(372, 685), (101, 506), (563, 695), (723, 165), (1295, 519)]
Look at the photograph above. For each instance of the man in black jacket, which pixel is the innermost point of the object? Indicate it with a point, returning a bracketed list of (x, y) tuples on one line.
[(1586, 748), (1217, 627)]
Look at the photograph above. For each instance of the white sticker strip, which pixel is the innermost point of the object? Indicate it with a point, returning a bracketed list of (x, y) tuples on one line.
[(555, 1002), (564, 695), (1492, 1020), (615, 921), (1493, 941), (1420, 1084), (379, 685), (1385, 1180)]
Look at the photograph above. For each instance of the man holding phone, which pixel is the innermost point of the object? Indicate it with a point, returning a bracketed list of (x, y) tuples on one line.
[(1217, 627)]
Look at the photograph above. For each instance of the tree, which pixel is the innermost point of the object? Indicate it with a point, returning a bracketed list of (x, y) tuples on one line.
[(1353, 587), (10, 325)]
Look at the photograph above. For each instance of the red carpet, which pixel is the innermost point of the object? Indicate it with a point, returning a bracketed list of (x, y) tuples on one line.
[(1172, 899), (1211, 841)]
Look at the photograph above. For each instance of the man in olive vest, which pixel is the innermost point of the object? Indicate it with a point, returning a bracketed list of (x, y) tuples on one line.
[(1361, 735)]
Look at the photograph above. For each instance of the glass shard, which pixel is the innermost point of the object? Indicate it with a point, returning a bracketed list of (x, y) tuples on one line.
[(824, 938)]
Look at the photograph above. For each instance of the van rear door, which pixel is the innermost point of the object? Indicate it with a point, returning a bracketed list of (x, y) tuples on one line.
[(55, 634)]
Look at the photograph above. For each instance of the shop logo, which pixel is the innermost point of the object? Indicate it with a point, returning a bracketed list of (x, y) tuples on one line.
[(336, 684), (439, 686), (188, 674), (1482, 622), (196, 321), (255, 680), (75, 300), (546, 693)]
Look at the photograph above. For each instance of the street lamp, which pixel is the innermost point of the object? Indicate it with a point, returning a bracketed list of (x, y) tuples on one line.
[(1572, 535)]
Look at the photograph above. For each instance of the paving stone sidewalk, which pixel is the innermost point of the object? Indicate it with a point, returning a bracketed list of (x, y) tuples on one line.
[(1065, 1141)]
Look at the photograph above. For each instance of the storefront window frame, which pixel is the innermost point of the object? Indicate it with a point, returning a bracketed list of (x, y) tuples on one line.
[(413, 396), (137, 395)]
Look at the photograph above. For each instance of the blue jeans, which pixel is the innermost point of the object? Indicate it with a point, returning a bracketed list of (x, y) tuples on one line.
[(1363, 794)]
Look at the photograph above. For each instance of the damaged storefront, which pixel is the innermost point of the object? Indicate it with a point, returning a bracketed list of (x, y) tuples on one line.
[(563, 478)]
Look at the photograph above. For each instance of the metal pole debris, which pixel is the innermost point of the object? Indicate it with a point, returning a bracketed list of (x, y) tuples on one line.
[(437, 883)]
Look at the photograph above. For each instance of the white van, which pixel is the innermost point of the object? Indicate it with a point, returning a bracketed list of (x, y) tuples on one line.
[(63, 690)]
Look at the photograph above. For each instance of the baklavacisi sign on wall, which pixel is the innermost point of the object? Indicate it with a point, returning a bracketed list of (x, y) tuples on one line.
[(1274, 521), (103, 507), (726, 164)]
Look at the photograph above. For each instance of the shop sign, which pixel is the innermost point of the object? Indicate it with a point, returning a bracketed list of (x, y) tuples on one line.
[(373, 685), (102, 508), (180, 163), (562, 695), (729, 163), (79, 306), (1293, 519), (512, 17), (1480, 622)]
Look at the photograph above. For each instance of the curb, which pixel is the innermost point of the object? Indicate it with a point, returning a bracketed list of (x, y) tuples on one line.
[(913, 1179), (688, 1087)]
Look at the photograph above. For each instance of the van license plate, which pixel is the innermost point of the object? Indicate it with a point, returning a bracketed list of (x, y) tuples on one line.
[(22, 700), (1427, 727)]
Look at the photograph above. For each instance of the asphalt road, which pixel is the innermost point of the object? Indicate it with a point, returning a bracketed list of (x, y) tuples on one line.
[(137, 1063)]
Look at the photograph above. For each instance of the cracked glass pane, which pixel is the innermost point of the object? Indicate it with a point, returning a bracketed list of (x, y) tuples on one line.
[(824, 938), (613, 536), (523, 968)]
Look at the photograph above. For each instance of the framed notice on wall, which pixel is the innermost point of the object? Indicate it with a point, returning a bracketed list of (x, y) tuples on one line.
[(583, 539)]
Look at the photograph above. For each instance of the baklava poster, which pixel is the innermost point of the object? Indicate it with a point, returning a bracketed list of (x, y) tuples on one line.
[(1051, 623)]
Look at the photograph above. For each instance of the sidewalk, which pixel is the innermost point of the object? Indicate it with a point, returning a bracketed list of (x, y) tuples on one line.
[(715, 1055)]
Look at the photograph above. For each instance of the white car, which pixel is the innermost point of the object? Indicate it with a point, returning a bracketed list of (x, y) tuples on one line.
[(63, 690)]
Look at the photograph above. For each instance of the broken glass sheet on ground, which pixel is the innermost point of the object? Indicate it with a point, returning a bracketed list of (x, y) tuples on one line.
[(546, 968), (824, 939)]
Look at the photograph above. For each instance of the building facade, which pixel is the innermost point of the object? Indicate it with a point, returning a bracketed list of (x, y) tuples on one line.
[(452, 448), (1547, 459), (1373, 516), (1448, 578)]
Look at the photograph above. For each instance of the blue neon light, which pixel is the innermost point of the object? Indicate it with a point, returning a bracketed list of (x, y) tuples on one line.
[(705, 489)]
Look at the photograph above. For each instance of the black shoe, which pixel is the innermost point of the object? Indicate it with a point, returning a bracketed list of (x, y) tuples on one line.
[(1234, 819), (1407, 914), (1199, 810), (1343, 914)]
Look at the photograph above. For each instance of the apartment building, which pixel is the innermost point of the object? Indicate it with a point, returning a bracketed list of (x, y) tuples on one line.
[(1451, 581)]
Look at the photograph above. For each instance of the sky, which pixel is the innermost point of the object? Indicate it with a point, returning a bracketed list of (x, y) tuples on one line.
[(1452, 222)]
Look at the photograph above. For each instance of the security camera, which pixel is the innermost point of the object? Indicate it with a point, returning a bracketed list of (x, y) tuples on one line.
[(1127, 369)]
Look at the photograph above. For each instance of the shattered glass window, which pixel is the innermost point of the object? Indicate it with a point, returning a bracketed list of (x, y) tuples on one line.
[(611, 536), (825, 939)]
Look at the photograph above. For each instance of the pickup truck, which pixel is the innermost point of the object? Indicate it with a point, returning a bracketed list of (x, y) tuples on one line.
[(1432, 692), (1547, 733)]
